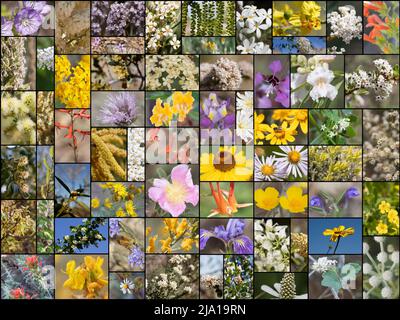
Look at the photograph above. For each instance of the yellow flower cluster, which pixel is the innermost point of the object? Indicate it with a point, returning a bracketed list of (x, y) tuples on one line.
[(301, 20), (73, 83), (294, 201), (119, 192), (175, 230), (89, 277), (163, 112), (285, 130), (389, 216)]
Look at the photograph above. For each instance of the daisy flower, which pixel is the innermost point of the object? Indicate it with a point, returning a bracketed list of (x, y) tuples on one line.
[(126, 286), (293, 160), (228, 164), (244, 101), (280, 134), (267, 169), (244, 126)]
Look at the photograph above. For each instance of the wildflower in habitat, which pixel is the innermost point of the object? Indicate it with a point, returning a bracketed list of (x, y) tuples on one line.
[(267, 199), (293, 160), (295, 201), (126, 286), (338, 232), (267, 169)]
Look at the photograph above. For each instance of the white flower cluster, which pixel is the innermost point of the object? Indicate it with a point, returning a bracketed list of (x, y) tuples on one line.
[(251, 24), (381, 81), (337, 128), (244, 117), (136, 154), (345, 24), (45, 58), (271, 247), (323, 264), (382, 274), (160, 15)]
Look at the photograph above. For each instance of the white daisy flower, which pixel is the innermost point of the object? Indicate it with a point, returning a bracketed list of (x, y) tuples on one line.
[(294, 160), (126, 286), (244, 126), (267, 169), (244, 102)]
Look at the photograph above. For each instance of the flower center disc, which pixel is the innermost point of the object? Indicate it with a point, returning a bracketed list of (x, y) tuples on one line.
[(294, 157), (267, 170), (224, 161)]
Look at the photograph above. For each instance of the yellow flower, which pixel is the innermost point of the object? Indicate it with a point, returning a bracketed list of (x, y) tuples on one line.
[(152, 244), (148, 231), (382, 228), (280, 114), (259, 126), (337, 232), (181, 228), (120, 213), (166, 245), (170, 224), (384, 207), (182, 103), (393, 216), (187, 244), (77, 277), (226, 165), (298, 117), (120, 190), (267, 199), (280, 134), (107, 203), (95, 203), (309, 17), (295, 202), (161, 115), (130, 208)]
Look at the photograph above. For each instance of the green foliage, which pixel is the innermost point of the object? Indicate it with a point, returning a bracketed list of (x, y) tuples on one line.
[(238, 277), (45, 226)]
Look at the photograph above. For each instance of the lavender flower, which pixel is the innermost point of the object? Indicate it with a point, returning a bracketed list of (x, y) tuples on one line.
[(270, 89), (136, 258), (119, 109), (316, 202), (27, 21), (352, 192), (233, 236), (6, 27), (39, 6), (114, 226)]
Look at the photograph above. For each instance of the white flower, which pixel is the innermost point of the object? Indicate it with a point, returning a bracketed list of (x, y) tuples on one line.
[(277, 291), (294, 160), (374, 281), (244, 126), (323, 127), (382, 257), (367, 268), (175, 43), (343, 124), (379, 239), (66, 238), (247, 46), (320, 78), (173, 285), (262, 48), (298, 79), (387, 275), (386, 292), (395, 257), (345, 24), (244, 101), (126, 286), (323, 264), (365, 247), (187, 290), (267, 169), (257, 26)]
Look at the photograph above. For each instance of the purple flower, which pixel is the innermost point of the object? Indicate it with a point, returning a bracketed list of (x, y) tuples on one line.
[(119, 109), (271, 89), (27, 21), (39, 6), (6, 27), (316, 201), (232, 235), (114, 226), (352, 192), (136, 258)]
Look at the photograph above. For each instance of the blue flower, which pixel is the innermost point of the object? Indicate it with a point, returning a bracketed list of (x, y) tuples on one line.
[(316, 201), (231, 235), (114, 226), (27, 21), (352, 192), (136, 258)]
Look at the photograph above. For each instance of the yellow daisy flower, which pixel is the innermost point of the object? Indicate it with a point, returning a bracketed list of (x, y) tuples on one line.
[(337, 232), (280, 134)]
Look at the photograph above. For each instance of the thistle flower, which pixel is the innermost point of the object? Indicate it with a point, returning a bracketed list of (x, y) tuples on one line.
[(119, 109)]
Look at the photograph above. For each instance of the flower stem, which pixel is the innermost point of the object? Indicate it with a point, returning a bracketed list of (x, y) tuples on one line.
[(337, 244)]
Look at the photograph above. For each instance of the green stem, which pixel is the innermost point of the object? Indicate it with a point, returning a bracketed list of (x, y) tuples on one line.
[(337, 244)]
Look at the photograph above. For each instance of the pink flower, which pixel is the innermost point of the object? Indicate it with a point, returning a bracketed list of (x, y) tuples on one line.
[(173, 196)]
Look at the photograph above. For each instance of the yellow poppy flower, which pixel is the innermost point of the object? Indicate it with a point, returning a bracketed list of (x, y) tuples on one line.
[(337, 232), (280, 134), (295, 202), (267, 199), (226, 165)]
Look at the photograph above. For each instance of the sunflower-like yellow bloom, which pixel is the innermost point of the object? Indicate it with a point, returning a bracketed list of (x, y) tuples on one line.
[(259, 127), (337, 232), (226, 165), (280, 135), (297, 118), (89, 276)]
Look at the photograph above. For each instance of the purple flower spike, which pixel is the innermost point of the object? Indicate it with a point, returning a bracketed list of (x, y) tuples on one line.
[(27, 21), (136, 258), (114, 227), (316, 202), (352, 192)]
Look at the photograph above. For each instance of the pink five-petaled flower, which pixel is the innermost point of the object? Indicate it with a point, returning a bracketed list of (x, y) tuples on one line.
[(173, 196)]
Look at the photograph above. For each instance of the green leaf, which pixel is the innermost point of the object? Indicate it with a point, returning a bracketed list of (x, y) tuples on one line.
[(331, 279), (350, 132), (349, 271)]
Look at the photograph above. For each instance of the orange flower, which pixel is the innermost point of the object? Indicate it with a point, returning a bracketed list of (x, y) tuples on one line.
[(373, 6)]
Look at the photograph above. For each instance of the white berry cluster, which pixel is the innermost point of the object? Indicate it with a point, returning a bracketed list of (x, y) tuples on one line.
[(345, 24)]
